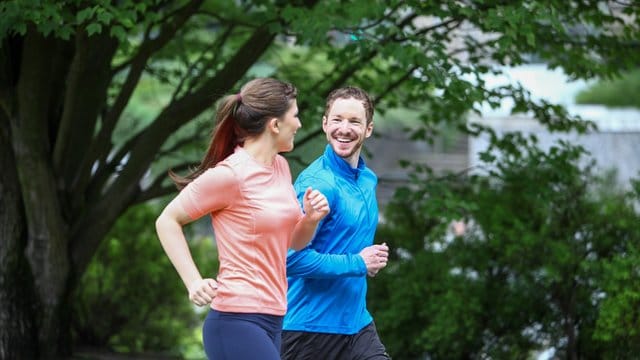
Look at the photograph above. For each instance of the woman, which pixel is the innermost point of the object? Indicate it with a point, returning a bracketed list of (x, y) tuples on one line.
[(246, 187)]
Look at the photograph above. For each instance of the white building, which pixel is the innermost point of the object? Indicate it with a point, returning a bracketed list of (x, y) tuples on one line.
[(614, 145)]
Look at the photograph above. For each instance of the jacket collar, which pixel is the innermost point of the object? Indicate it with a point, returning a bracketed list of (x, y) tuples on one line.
[(341, 166)]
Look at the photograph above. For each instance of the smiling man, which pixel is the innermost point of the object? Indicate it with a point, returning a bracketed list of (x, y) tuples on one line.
[(327, 316)]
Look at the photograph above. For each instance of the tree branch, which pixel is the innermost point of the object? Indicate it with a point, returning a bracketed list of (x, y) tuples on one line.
[(96, 221), (157, 189), (345, 74), (394, 85), (214, 48), (100, 147), (89, 70), (144, 147)]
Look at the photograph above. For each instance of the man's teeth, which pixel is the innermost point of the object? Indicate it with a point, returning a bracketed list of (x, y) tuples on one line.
[(343, 140)]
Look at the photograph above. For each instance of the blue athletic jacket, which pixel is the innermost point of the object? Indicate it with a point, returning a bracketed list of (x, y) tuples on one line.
[(328, 279)]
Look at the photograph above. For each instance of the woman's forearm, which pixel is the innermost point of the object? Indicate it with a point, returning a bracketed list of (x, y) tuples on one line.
[(303, 232), (175, 246)]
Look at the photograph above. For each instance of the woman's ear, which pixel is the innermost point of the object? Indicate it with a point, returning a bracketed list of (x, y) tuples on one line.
[(273, 125)]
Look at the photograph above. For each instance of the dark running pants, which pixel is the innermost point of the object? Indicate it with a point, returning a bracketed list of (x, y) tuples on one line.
[(365, 345), (238, 336)]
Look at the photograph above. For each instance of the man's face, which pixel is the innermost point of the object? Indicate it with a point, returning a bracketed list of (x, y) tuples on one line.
[(346, 128)]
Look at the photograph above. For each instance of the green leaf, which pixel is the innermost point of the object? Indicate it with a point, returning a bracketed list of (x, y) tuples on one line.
[(94, 28), (84, 14), (104, 16), (119, 32)]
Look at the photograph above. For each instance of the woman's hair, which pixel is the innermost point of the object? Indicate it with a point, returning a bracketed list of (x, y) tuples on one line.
[(241, 116), (351, 92)]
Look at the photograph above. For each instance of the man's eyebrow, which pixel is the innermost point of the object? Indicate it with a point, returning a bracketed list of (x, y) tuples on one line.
[(348, 118)]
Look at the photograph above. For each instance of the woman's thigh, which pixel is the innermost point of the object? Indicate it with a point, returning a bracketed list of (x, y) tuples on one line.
[(233, 336)]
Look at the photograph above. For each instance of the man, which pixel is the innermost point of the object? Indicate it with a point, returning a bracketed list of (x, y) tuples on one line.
[(327, 316)]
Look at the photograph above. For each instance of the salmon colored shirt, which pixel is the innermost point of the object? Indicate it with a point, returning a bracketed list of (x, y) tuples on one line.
[(254, 210)]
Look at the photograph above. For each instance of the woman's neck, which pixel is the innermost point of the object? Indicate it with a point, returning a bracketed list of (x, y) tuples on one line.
[(261, 149)]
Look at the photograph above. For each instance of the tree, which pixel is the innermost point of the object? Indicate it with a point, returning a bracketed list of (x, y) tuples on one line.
[(546, 262), (69, 69)]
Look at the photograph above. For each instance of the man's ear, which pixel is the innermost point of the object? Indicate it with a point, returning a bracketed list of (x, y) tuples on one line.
[(324, 123), (369, 129)]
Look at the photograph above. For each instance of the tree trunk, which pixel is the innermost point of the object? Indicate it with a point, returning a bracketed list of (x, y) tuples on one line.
[(18, 331), (43, 240)]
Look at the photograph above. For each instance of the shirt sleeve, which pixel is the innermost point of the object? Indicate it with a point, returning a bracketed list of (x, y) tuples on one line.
[(213, 190), (308, 263)]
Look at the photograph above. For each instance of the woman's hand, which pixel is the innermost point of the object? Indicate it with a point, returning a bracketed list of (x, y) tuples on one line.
[(315, 205), (202, 292)]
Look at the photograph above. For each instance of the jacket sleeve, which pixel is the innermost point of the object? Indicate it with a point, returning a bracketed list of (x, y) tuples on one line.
[(308, 263)]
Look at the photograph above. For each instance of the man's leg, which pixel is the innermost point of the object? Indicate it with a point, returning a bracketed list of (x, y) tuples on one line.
[(301, 345), (366, 345)]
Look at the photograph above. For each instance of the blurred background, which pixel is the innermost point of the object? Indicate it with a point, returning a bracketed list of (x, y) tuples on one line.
[(506, 141)]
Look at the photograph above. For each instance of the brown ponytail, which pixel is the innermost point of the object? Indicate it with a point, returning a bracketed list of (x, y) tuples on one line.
[(240, 116)]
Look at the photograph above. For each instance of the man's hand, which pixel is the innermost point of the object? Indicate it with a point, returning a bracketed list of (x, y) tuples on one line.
[(375, 258)]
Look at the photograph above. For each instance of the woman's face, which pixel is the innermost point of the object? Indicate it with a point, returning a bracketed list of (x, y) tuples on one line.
[(288, 125)]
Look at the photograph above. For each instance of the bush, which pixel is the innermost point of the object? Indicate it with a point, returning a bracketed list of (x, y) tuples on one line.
[(131, 299)]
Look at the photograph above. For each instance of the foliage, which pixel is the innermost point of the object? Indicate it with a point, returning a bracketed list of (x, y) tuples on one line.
[(130, 299), (83, 153), (618, 324), (548, 260), (618, 92)]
